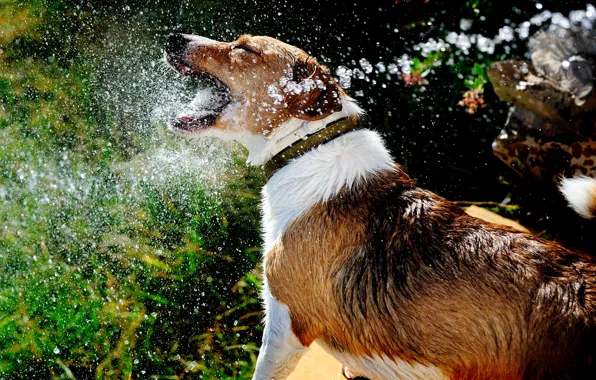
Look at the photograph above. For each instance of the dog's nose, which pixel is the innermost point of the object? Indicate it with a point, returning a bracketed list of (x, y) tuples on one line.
[(176, 44)]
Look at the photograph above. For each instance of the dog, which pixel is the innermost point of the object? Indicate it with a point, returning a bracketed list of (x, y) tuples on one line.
[(392, 280)]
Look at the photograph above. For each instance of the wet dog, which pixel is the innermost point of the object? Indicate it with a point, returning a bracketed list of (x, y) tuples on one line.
[(393, 280)]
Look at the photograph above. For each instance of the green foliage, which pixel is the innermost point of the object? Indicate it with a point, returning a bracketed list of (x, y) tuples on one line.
[(480, 77), (106, 275), (475, 3), (468, 65), (426, 63)]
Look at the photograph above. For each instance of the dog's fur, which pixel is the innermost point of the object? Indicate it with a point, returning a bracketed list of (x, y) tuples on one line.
[(580, 192), (393, 280)]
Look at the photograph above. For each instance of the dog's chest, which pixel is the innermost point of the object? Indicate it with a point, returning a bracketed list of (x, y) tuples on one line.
[(300, 253)]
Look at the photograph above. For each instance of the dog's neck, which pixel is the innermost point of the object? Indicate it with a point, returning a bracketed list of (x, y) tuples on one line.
[(261, 150), (302, 140), (319, 175)]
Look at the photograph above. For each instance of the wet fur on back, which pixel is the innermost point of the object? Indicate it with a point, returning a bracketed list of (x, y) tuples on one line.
[(411, 276)]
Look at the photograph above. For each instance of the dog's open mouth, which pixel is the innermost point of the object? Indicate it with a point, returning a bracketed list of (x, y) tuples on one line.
[(211, 99)]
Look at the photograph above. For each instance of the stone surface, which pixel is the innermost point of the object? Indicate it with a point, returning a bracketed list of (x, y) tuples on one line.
[(316, 364), (489, 216), (547, 135)]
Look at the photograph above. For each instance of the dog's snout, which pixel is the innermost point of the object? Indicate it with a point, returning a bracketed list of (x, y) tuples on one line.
[(176, 44)]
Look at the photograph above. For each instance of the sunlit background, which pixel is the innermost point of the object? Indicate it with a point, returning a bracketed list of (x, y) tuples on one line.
[(126, 252)]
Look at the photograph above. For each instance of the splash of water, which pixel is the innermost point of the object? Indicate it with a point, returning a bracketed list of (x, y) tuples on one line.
[(465, 43), (146, 95)]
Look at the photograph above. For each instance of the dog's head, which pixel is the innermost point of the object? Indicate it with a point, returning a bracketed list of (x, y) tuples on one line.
[(261, 83)]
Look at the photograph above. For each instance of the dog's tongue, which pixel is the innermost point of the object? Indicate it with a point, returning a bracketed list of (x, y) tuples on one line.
[(194, 121), (202, 110)]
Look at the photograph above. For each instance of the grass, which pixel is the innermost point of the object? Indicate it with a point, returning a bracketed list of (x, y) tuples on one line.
[(111, 269)]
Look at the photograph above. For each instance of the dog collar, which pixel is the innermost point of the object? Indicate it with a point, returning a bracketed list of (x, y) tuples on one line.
[(309, 141)]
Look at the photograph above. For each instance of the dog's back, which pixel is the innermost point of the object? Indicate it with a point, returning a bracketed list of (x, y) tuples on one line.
[(407, 273)]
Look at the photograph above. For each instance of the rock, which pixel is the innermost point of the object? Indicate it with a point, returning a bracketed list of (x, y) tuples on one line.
[(551, 128), (564, 57), (516, 82)]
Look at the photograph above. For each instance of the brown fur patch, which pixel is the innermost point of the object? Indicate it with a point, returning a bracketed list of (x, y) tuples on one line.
[(389, 268), (322, 100)]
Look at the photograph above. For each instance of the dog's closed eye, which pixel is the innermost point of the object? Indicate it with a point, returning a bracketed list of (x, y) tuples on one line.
[(244, 48)]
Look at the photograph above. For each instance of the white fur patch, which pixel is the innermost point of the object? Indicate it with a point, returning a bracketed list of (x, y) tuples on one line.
[(281, 350), (319, 175), (377, 367), (580, 192), (417, 207)]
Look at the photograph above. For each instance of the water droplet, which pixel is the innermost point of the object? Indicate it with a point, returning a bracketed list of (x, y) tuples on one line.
[(465, 24), (560, 20), (541, 18), (506, 34), (366, 66)]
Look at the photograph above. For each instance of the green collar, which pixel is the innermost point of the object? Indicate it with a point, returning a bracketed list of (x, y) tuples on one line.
[(330, 132)]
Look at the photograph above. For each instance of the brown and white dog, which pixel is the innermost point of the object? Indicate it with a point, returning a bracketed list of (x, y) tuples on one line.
[(393, 280)]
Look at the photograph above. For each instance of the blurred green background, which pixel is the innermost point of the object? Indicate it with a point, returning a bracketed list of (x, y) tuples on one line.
[(126, 252), (121, 253)]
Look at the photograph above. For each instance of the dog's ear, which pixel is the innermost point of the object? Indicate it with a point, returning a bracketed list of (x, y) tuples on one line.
[(317, 94)]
